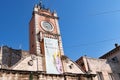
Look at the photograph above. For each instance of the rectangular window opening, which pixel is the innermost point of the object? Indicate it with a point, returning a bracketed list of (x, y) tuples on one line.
[(100, 76), (111, 77)]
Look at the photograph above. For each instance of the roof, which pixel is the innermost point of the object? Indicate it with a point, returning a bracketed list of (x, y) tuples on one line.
[(113, 51)]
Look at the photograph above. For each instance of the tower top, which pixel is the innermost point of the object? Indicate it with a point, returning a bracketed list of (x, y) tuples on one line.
[(40, 9), (41, 4)]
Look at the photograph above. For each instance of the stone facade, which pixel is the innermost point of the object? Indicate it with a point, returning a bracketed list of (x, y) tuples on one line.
[(16, 64), (9, 56), (106, 68), (28, 67), (30, 75)]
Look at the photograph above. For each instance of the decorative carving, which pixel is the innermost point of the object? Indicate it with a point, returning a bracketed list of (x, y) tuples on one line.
[(30, 62)]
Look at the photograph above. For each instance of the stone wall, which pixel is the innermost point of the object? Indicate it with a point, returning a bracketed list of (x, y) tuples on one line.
[(71, 67), (106, 68), (27, 75), (29, 64), (10, 56), (114, 61)]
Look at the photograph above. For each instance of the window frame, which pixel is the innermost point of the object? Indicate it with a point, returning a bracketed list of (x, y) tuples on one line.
[(100, 76)]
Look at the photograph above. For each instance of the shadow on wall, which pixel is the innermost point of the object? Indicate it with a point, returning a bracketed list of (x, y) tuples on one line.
[(10, 56)]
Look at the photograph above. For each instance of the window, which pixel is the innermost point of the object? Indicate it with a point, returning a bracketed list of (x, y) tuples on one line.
[(100, 76), (32, 32), (32, 45), (38, 36), (71, 66), (90, 78), (114, 59), (82, 64), (110, 76)]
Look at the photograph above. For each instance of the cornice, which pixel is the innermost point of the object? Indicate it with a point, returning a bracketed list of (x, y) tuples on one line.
[(45, 15)]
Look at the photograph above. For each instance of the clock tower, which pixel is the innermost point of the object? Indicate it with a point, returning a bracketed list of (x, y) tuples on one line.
[(45, 39)]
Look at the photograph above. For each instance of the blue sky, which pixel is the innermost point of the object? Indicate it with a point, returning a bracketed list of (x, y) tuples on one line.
[(88, 27)]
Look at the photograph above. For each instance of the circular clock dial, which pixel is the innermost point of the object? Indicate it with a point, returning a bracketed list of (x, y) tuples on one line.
[(47, 26)]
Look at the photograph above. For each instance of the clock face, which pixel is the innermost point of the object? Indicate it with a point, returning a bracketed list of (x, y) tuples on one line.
[(47, 26)]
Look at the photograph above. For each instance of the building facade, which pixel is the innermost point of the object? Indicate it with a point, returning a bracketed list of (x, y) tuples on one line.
[(26, 66), (46, 59), (107, 67), (9, 56)]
